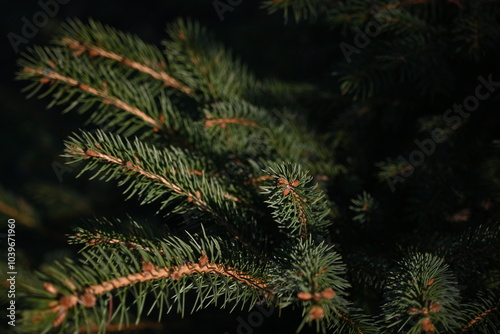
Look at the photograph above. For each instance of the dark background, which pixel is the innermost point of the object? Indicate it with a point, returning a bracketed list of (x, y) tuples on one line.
[(46, 206)]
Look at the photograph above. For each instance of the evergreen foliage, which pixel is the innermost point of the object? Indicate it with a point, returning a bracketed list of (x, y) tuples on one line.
[(281, 214)]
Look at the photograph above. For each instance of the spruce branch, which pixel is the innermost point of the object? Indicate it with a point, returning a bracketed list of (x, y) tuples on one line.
[(88, 296), (173, 264), (140, 237), (312, 274), (238, 127), (129, 105), (98, 40), (471, 251), (479, 318), (135, 167), (94, 51), (300, 209), (48, 76), (422, 296), (205, 65), (481, 315), (76, 148), (169, 174)]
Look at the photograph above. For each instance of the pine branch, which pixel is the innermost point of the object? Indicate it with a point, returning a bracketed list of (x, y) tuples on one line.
[(49, 76), (122, 159), (312, 274), (95, 51), (127, 104), (479, 318), (205, 65), (421, 296), (74, 290), (299, 208), (99, 40), (482, 314)]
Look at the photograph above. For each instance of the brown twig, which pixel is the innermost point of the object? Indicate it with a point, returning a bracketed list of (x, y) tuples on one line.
[(97, 239), (478, 318), (52, 75), (149, 272), (93, 51), (174, 273), (135, 167)]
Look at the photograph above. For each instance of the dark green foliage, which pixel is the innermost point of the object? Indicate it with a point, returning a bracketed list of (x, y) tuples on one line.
[(262, 202), (205, 65), (298, 207), (364, 205), (120, 254), (422, 289)]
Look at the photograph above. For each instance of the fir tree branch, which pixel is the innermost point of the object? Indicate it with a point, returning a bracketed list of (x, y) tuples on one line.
[(351, 322), (299, 202), (299, 208), (205, 65), (50, 75), (422, 295), (175, 273), (255, 252), (479, 318), (87, 297), (390, 6), (195, 197), (98, 239), (92, 50)]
